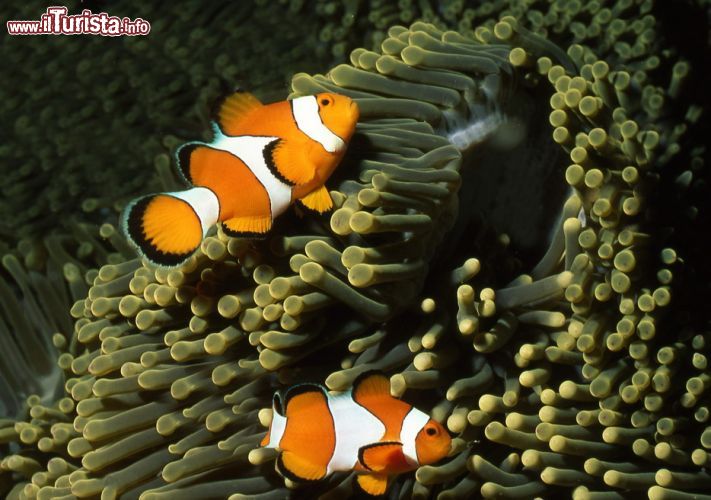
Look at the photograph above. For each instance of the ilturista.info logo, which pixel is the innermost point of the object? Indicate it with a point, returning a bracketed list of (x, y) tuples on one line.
[(58, 21)]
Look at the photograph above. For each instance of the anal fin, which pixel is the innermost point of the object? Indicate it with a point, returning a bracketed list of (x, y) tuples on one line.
[(373, 484), (298, 468), (318, 200), (247, 226)]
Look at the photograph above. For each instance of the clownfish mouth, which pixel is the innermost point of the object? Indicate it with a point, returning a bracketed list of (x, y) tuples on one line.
[(355, 110)]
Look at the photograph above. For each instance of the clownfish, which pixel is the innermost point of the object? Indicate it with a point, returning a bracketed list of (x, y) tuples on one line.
[(261, 159), (363, 429)]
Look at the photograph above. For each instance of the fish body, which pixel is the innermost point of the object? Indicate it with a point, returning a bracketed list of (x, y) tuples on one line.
[(364, 429), (261, 159)]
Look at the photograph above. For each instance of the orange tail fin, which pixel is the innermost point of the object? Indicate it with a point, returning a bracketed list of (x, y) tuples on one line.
[(167, 228)]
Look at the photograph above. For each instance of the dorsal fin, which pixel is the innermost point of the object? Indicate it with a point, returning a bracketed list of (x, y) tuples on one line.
[(233, 108), (371, 384), (371, 390)]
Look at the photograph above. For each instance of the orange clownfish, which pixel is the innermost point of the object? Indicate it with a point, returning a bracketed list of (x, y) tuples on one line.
[(363, 429), (261, 159)]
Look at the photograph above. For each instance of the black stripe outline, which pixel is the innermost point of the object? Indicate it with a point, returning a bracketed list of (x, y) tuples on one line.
[(297, 389), (278, 404), (182, 159), (268, 153)]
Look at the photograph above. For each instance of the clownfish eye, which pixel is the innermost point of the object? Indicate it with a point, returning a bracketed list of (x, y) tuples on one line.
[(431, 431), (325, 101)]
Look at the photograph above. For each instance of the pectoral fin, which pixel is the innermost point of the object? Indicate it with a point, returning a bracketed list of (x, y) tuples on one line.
[(318, 200), (288, 162), (379, 457), (247, 226), (373, 484)]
